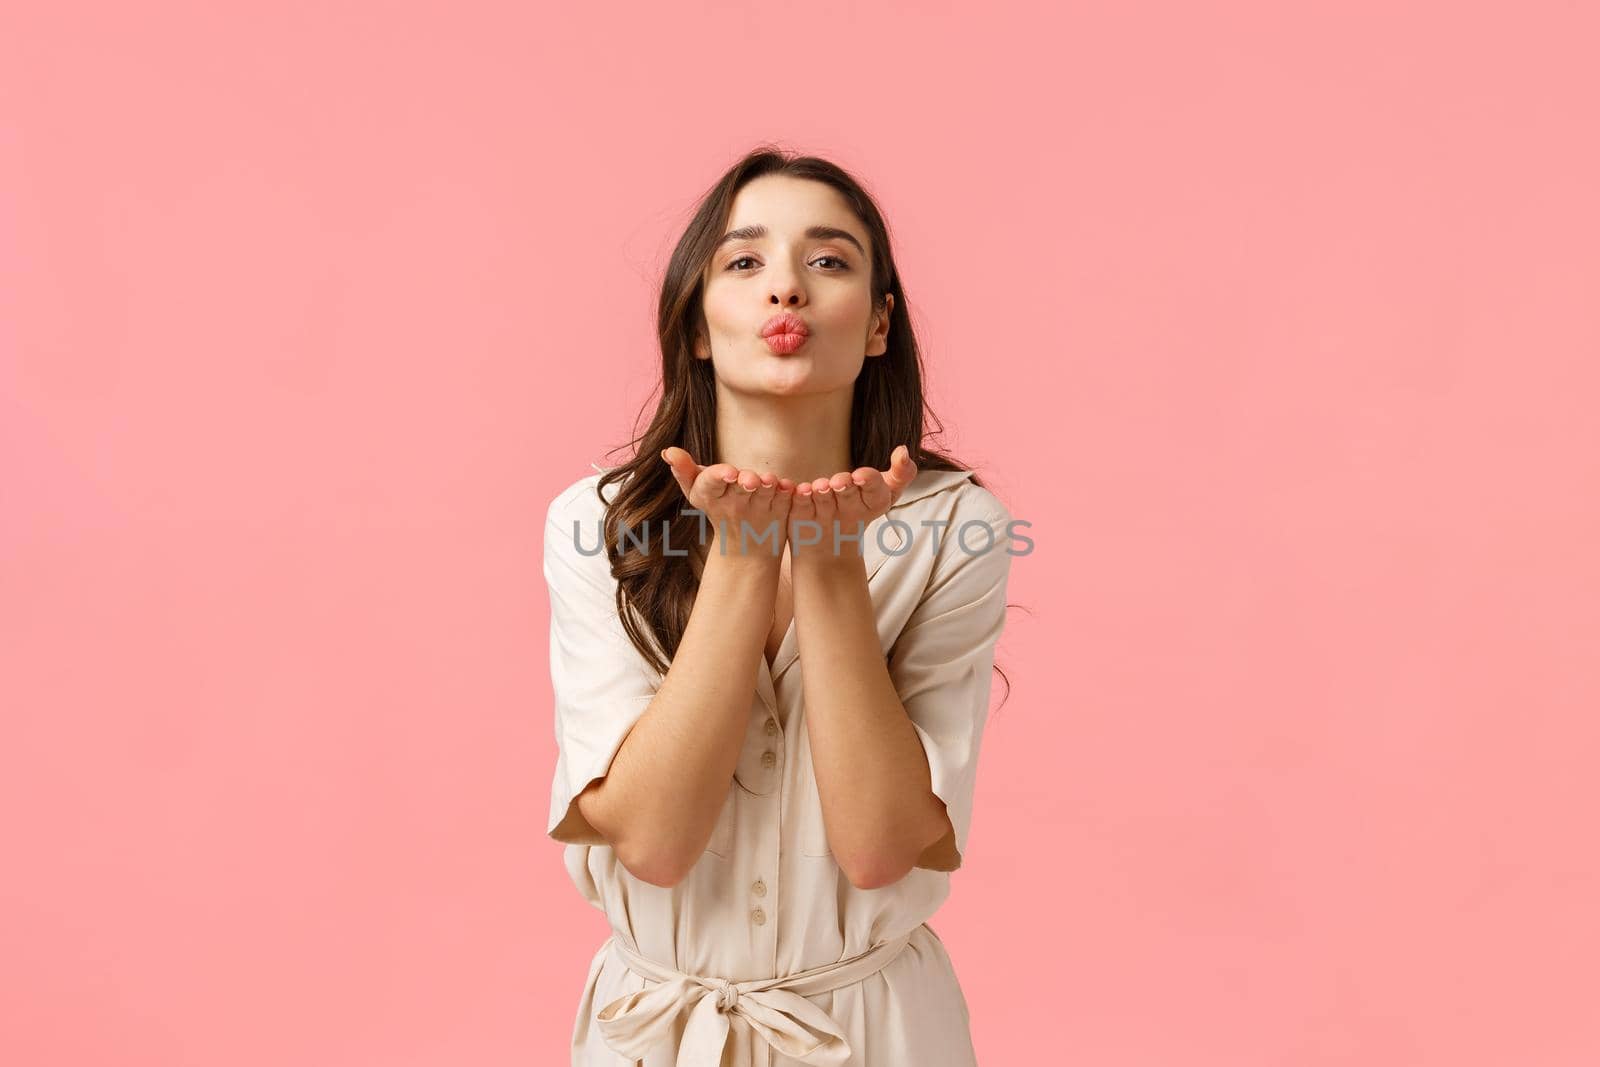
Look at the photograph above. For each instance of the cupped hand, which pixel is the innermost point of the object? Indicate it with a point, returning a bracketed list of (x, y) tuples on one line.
[(846, 502), (730, 496)]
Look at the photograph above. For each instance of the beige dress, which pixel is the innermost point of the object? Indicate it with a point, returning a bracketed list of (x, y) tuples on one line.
[(765, 955)]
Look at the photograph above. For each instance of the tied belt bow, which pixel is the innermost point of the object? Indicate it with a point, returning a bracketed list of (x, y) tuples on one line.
[(775, 1008)]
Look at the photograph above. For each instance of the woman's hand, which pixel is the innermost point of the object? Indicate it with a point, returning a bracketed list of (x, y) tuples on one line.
[(730, 497), (846, 502)]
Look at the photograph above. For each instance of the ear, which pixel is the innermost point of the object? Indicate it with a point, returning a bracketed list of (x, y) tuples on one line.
[(878, 339)]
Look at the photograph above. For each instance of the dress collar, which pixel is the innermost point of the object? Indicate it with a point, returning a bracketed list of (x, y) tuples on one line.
[(926, 483)]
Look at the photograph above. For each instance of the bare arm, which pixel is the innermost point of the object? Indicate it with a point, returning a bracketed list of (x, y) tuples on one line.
[(670, 775), (872, 773), (661, 799)]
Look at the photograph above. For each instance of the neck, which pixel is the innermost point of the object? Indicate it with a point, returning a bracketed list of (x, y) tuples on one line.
[(801, 438)]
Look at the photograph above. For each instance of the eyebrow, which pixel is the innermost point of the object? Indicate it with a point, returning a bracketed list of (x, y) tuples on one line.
[(820, 233)]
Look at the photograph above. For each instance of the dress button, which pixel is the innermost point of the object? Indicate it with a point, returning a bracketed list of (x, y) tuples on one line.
[(772, 728), (760, 888), (768, 758), (758, 917)]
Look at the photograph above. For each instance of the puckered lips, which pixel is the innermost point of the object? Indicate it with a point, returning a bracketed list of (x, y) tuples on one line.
[(785, 332)]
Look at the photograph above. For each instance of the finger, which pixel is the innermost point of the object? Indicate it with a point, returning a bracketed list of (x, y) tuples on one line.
[(867, 478), (802, 506), (901, 470), (680, 457), (717, 480), (846, 494), (767, 490), (683, 467), (822, 498), (869, 482), (783, 497)]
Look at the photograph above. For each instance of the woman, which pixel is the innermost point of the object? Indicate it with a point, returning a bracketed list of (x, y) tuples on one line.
[(769, 726)]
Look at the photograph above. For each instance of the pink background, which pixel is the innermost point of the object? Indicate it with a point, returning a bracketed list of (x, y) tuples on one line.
[(1278, 322)]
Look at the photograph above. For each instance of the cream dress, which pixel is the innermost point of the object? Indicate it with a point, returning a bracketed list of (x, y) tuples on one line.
[(765, 955)]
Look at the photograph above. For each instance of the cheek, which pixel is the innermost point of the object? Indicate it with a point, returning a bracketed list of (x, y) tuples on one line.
[(849, 307), (721, 310), (847, 321)]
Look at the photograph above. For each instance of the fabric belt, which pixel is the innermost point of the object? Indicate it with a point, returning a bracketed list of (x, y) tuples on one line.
[(775, 1008)]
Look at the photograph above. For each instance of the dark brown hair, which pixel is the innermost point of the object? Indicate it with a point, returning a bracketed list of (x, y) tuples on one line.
[(887, 409)]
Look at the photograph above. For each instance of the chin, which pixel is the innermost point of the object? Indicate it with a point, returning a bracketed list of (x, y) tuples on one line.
[(789, 384)]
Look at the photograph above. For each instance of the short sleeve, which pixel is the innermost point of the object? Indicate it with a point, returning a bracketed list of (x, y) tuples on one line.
[(602, 684), (942, 666)]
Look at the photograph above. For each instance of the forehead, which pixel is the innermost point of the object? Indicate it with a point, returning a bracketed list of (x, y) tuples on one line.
[(787, 205)]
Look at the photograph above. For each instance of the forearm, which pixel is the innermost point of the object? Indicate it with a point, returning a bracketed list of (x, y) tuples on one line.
[(669, 780), (871, 770)]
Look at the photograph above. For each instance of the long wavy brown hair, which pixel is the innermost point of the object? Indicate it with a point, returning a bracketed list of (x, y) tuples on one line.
[(655, 591)]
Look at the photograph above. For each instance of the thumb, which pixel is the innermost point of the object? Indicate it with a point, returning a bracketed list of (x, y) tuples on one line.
[(684, 468), (901, 470)]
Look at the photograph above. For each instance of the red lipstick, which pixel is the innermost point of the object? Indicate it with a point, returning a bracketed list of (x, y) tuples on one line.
[(785, 332)]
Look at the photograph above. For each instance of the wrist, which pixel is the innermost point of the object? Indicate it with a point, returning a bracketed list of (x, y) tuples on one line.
[(844, 558), (815, 544)]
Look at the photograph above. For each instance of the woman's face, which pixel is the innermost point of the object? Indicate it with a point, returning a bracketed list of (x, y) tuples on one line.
[(825, 280)]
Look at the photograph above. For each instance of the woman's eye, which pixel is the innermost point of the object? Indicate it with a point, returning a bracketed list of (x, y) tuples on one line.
[(733, 264)]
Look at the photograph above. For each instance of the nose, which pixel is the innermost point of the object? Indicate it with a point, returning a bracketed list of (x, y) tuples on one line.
[(788, 292)]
